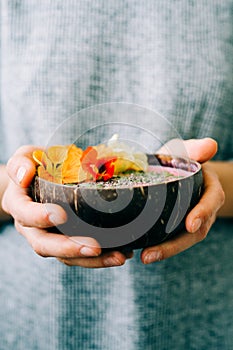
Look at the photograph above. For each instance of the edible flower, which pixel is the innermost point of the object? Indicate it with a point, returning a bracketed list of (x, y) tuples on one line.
[(70, 164), (99, 168), (60, 164), (127, 159)]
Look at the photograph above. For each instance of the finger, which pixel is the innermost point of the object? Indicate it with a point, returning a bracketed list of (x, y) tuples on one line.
[(110, 259), (48, 244), (28, 213), (209, 204), (21, 166), (201, 150), (174, 246), (199, 222)]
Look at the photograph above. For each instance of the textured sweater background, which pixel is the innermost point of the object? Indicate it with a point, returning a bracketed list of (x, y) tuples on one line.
[(58, 57)]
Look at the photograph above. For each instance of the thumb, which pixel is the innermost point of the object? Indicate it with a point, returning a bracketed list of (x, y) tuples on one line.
[(201, 150), (21, 167)]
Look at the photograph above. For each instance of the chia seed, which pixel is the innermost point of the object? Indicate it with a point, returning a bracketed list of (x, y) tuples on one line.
[(132, 179)]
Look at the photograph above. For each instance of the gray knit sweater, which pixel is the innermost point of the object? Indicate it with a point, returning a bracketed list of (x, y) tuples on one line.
[(58, 57)]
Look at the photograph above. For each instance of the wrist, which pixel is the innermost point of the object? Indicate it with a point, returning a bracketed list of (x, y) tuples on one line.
[(224, 171)]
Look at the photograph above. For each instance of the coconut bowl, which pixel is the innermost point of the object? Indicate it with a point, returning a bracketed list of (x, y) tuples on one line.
[(131, 216)]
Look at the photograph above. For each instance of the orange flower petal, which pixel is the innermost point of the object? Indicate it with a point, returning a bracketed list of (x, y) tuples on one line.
[(72, 165), (74, 151), (89, 160)]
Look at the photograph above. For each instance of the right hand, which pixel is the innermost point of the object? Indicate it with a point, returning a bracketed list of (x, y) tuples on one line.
[(33, 220)]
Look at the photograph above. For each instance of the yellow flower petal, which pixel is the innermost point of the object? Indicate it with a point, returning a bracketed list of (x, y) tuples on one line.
[(57, 154), (42, 173), (121, 165), (40, 157), (140, 162), (62, 164)]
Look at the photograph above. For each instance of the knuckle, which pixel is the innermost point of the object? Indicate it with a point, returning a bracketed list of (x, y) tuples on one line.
[(4, 203), (222, 196), (18, 227), (160, 254), (19, 219), (66, 262), (38, 248), (41, 220), (203, 231), (45, 219), (23, 149), (200, 209), (208, 215)]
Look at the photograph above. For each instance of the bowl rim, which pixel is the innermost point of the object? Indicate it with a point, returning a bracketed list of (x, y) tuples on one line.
[(190, 163)]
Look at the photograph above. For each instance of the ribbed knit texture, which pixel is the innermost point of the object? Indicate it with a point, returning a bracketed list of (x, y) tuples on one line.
[(58, 57)]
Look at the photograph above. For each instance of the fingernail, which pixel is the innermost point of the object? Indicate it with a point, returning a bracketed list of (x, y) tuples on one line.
[(20, 174), (55, 219), (112, 261), (86, 251), (196, 225), (152, 257)]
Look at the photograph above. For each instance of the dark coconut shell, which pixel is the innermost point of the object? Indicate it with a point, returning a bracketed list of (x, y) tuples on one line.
[(142, 216)]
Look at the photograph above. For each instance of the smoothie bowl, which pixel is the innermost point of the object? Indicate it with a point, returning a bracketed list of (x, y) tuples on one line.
[(124, 200)]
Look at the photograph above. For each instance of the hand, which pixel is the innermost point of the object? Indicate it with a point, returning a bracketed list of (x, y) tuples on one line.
[(202, 216), (33, 220)]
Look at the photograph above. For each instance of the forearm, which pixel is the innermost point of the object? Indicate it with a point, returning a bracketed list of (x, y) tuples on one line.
[(224, 171), (3, 184)]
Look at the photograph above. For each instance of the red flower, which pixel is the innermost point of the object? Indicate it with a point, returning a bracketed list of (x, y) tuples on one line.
[(99, 169)]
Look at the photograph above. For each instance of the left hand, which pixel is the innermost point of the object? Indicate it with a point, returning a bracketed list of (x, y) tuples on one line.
[(202, 216), (34, 220)]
